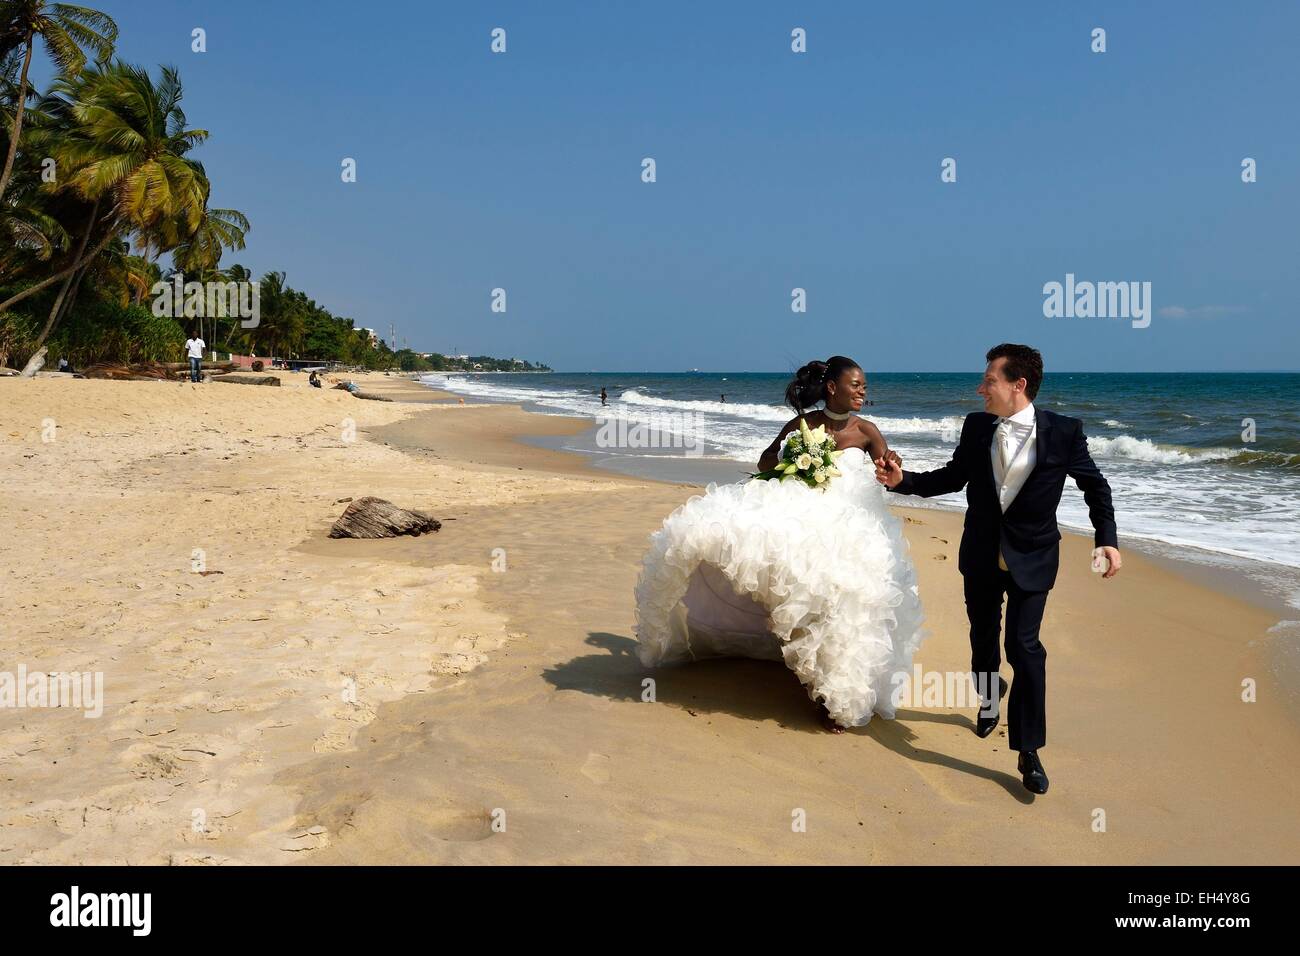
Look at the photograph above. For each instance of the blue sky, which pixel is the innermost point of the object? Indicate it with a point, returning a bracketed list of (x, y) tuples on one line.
[(775, 171)]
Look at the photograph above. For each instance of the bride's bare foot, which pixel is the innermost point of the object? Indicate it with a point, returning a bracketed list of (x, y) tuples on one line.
[(827, 721)]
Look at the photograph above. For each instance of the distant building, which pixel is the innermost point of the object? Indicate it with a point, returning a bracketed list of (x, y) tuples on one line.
[(371, 336)]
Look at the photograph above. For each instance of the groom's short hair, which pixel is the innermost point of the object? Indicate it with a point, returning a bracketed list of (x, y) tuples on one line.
[(1022, 362)]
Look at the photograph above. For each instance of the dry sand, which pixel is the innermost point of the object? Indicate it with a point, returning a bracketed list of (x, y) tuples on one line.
[(385, 701)]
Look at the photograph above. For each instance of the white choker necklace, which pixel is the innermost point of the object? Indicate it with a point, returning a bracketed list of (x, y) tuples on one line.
[(835, 416)]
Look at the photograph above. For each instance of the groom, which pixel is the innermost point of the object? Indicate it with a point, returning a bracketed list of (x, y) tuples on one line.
[(1013, 460)]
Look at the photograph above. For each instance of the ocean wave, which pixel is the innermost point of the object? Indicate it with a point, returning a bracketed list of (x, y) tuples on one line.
[(766, 413), (1269, 459), (570, 400), (1143, 449), (918, 426)]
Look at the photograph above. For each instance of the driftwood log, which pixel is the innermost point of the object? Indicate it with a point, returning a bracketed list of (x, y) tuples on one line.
[(372, 517), (370, 396), (207, 366), (126, 373), (35, 363), (249, 379)]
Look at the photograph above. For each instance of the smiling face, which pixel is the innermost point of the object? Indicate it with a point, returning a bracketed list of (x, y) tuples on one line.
[(848, 392), (1001, 397)]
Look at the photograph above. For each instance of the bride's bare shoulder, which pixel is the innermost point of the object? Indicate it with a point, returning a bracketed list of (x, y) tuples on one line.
[(868, 427), (871, 436)]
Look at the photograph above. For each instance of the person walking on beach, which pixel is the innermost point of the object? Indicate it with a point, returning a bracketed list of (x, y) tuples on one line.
[(603, 397), (775, 570), (1013, 460), (194, 349)]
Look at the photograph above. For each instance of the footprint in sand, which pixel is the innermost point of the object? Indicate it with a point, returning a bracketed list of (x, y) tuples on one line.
[(188, 858), (313, 838), (596, 769), (154, 766)]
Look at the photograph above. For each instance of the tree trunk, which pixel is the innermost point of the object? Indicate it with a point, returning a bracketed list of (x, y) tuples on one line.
[(60, 300), (237, 379), (57, 310), (76, 288), (18, 120)]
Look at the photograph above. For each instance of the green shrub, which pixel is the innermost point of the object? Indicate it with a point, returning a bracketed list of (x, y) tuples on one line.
[(97, 330)]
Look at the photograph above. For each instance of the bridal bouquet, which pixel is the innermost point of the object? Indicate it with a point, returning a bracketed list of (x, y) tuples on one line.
[(808, 455)]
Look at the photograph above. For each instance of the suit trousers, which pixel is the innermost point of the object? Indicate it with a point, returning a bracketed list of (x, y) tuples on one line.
[(1026, 705)]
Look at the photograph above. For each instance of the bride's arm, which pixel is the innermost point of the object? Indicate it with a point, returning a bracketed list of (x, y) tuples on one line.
[(877, 448), (772, 455)]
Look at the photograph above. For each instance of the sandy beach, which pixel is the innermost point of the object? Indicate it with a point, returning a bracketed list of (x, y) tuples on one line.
[(472, 696)]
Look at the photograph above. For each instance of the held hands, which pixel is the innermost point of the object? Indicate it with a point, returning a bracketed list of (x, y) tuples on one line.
[(889, 470)]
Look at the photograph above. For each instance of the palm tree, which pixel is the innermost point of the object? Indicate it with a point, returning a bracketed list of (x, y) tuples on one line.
[(274, 300), (31, 233), (199, 255), (124, 148), (218, 230), (283, 317), (69, 31), (124, 277)]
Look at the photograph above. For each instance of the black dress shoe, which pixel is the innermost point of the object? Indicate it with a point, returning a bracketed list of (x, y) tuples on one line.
[(1032, 774), (986, 725)]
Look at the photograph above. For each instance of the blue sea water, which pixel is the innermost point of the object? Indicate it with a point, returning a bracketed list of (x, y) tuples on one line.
[(1177, 447)]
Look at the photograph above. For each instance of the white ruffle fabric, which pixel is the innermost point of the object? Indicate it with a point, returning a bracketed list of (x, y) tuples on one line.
[(819, 578)]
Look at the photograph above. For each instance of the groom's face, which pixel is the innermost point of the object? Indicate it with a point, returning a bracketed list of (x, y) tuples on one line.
[(999, 394)]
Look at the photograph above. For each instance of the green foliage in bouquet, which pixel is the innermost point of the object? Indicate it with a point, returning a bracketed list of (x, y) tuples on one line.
[(808, 455)]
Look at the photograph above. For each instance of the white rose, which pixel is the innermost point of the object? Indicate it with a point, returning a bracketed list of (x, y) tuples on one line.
[(803, 462)]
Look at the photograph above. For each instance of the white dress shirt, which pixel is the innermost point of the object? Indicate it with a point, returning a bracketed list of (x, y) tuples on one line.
[(1014, 456)]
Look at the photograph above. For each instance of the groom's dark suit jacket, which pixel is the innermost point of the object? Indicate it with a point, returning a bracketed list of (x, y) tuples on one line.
[(1027, 533)]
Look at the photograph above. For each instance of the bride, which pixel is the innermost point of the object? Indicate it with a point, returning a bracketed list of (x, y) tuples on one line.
[(778, 570)]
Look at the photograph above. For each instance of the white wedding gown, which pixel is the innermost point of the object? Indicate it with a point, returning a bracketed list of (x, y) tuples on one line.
[(819, 578)]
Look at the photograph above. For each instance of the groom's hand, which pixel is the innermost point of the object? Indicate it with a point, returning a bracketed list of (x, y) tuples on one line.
[(1112, 556), (888, 472)]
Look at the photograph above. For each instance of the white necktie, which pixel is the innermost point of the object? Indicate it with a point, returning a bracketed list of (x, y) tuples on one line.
[(1006, 445)]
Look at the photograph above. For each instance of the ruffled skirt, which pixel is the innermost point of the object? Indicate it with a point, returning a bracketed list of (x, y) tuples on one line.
[(819, 578)]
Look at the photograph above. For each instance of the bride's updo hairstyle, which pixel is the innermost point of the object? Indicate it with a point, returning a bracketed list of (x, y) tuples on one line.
[(808, 387)]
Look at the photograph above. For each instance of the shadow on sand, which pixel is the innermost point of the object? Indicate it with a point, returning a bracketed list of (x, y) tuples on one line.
[(753, 690)]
